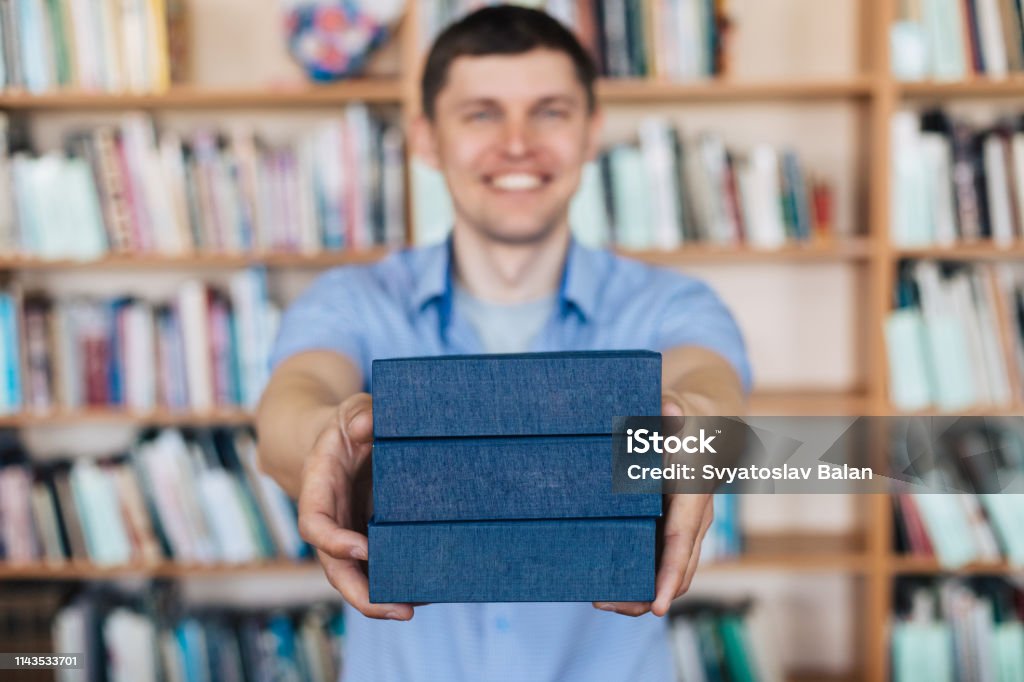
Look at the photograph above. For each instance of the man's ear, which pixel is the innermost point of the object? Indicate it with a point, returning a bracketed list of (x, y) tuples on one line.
[(424, 141), (595, 128)]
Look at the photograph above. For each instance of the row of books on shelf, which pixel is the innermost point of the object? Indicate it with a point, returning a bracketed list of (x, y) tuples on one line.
[(130, 188), (955, 339), (669, 39), (125, 636), (206, 348), (978, 457), (193, 498), (663, 192), (958, 629), (955, 181), (716, 640), (97, 45), (954, 39)]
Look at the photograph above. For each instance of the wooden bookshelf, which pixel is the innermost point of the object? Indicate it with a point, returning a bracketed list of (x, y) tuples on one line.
[(875, 95)]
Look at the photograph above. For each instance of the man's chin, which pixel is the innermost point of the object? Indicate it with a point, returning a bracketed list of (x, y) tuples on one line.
[(520, 235)]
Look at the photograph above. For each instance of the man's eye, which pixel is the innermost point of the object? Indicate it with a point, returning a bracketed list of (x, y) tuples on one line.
[(482, 116), (553, 113)]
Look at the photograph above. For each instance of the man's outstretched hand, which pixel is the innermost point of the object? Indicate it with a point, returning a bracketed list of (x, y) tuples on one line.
[(330, 501), (687, 518)]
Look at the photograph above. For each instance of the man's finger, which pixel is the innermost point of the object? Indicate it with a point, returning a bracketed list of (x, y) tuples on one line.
[(691, 567), (685, 515), (355, 418), (625, 608), (324, 533), (348, 578)]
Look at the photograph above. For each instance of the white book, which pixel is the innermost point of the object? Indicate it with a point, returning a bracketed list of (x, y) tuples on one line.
[(194, 311), (1017, 157), (990, 30), (83, 39), (172, 173), (130, 639), (656, 150), (959, 295), (945, 31), (724, 229), (938, 163), (686, 650), (359, 134), (99, 509), (762, 209), (588, 212), (911, 206), (116, 57), (69, 629), (393, 177), (988, 328), (309, 230), (997, 189), (140, 344), (225, 516)]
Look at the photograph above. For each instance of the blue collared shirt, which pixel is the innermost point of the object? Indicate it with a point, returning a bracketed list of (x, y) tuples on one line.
[(402, 306)]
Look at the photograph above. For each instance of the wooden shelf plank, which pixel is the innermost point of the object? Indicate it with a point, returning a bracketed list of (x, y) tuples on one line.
[(166, 569), (977, 411), (852, 249), (389, 91), (384, 91), (637, 90), (812, 402), (200, 260), (975, 87), (847, 250), (983, 250), (809, 562), (904, 565), (99, 415)]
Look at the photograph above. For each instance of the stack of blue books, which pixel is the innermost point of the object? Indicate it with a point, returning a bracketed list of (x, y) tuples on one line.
[(492, 479)]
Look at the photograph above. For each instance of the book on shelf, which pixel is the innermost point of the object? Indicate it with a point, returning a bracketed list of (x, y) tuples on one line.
[(137, 46), (955, 182), (131, 188), (206, 348), (674, 40), (963, 38), (664, 192), (981, 522), (957, 629), (129, 636), (955, 339), (724, 539), (722, 640), (198, 498)]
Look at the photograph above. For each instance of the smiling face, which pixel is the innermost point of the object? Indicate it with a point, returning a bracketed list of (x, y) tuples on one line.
[(511, 134)]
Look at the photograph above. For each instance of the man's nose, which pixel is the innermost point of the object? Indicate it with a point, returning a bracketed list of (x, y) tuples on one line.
[(516, 139)]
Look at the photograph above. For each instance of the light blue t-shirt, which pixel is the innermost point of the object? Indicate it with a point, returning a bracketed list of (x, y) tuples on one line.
[(404, 306)]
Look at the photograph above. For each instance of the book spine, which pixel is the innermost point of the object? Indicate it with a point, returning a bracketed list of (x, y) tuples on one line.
[(507, 561)]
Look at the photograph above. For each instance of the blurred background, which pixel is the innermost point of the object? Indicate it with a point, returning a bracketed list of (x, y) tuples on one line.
[(847, 174)]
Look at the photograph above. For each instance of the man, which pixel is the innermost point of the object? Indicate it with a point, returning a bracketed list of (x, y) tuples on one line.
[(509, 118)]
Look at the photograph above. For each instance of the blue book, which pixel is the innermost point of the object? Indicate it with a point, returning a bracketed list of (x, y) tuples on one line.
[(513, 561), (479, 479), (530, 394)]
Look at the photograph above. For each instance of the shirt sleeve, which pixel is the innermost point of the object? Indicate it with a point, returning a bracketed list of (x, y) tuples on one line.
[(694, 315), (325, 317)]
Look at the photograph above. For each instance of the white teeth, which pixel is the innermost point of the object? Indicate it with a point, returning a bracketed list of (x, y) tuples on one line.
[(517, 182)]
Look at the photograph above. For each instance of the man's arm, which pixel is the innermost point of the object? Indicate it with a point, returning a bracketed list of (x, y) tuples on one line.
[(300, 400), (695, 382), (316, 436)]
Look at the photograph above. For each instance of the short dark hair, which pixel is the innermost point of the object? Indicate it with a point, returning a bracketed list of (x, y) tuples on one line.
[(502, 30)]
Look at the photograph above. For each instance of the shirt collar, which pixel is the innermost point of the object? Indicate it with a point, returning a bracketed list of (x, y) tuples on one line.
[(578, 290)]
